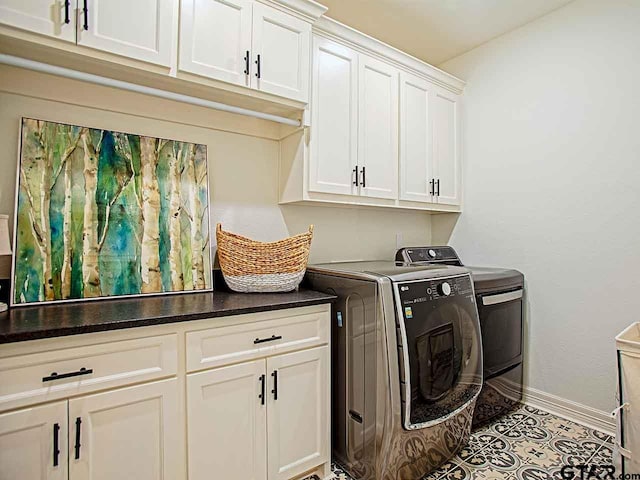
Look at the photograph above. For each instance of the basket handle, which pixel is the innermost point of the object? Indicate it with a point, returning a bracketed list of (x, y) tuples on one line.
[(310, 228), (218, 227)]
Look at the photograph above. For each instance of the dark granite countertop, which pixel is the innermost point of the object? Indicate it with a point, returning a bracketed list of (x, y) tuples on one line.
[(30, 323)]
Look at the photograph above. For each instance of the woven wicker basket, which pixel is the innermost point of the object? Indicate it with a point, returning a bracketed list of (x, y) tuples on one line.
[(251, 266)]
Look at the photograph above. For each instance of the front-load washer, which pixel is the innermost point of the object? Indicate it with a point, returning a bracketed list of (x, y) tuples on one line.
[(499, 296), (406, 365)]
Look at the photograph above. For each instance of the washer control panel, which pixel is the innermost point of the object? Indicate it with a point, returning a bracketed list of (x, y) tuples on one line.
[(435, 290), (428, 255)]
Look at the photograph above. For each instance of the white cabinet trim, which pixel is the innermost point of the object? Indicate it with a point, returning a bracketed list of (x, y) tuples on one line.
[(334, 30)]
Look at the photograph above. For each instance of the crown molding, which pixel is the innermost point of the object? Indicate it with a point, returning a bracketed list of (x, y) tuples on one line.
[(336, 31), (308, 9)]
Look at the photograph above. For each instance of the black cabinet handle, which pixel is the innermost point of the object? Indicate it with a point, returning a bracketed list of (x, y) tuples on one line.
[(56, 446), (364, 177), (355, 415), (85, 12), (432, 187), (258, 64), (77, 445), (263, 381), (58, 376), (272, 338), (246, 63), (356, 182), (67, 4), (438, 184), (275, 384)]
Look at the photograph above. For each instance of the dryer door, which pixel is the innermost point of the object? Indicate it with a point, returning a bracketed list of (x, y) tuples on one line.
[(440, 350)]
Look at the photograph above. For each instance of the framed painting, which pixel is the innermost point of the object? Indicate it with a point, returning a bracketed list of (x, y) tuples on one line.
[(104, 214)]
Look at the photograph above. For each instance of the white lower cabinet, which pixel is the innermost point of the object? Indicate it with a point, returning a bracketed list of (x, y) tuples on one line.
[(278, 405), (95, 437), (297, 415), (226, 422), (132, 430), (33, 443), (249, 401)]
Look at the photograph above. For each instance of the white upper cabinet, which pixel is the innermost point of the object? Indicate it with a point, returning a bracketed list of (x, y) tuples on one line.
[(33, 443), (334, 101), (378, 128), (215, 39), (53, 18), (385, 129), (246, 43), (416, 144), (281, 50), (140, 29), (446, 148)]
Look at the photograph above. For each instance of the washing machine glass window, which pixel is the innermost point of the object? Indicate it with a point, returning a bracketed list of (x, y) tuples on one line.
[(439, 348), (501, 324)]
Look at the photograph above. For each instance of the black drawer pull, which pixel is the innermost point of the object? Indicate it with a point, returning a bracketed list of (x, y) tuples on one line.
[(246, 63), (77, 445), (58, 376), (56, 446), (273, 338)]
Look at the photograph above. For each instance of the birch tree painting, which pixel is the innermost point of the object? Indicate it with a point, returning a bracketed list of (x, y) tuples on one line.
[(103, 214)]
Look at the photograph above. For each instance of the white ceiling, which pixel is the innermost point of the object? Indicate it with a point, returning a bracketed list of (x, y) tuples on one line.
[(437, 30)]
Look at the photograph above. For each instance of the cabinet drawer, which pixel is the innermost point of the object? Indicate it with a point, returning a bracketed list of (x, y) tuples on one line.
[(238, 343), (28, 379)]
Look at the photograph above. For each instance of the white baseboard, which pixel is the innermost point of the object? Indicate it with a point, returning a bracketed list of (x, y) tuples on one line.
[(588, 416)]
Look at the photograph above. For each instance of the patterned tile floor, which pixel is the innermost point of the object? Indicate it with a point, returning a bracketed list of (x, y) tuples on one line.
[(527, 444)]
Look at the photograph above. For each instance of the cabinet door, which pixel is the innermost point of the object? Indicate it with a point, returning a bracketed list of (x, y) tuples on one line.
[(283, 44), (27, 441), (298, 419), (215, 38), (446, 147), (144, 30), (132, 430), (226, 420), (378, 128), (416, 147), (334, 135), (53, 18)]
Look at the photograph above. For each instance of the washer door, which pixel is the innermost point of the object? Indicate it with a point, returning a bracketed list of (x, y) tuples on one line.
[(440, 350)]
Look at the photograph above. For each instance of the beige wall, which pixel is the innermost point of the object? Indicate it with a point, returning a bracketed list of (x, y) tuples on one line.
[(551, 155), (243, 167)]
